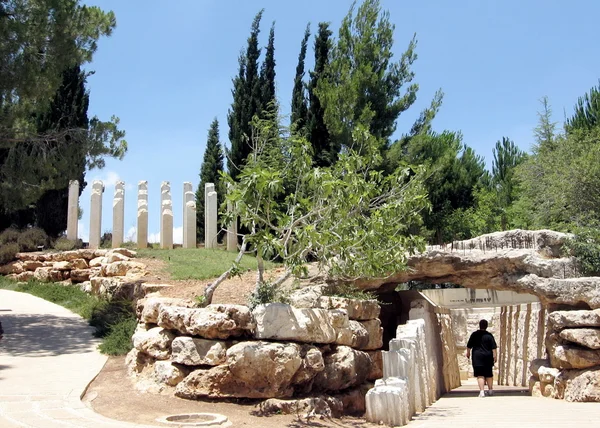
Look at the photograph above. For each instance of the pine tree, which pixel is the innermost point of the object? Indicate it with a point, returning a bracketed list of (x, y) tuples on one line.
[(364, 86), (68, 110), (587, 111), (267, 73), (246, 101), (325, 150), (507, 156), (299, 103), (212, 166)]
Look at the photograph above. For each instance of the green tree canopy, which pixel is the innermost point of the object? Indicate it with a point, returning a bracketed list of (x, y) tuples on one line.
[(299, 103)]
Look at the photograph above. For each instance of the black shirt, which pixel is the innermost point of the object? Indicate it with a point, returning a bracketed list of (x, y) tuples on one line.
[(482, 343)]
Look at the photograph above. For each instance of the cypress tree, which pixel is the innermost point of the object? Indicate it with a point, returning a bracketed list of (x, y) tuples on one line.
[(68, 110), (324, 150), (267, 73), (299, 104), (246, 101), (212, 165)]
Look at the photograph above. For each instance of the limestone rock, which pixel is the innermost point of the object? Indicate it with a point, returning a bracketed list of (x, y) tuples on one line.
[(15, 267), (312, 363), (25, 276), (353, 400), (168, 373), (123, 268), (377, 367), (46, 274), (149, 307), (35, 256), (375, 331), (155, 342), (572, 357), (212, 322), (64, 256), (536, 364), (587, 337), (105, 286), (253, 370), (279, 321), (580, 385), (359, 310), (137, 361), (79, 264), (535, 387), (125, 252), (308, 297), (344, 368), (355, 336), (98, 262), (116, 257), (86, 286), (323, 406), (80, 275), (30, 265), (62, 265), (547, 374), (197, 352), (559, 320)]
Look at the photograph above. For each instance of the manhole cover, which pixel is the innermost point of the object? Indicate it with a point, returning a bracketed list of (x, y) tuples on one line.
[(196, 420)]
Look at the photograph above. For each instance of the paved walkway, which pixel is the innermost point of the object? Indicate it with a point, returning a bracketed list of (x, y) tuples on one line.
[(509, 407), (47, 358)]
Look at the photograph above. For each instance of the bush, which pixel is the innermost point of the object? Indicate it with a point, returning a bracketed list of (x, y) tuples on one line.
[(585, 247), (350, 291), (9, 235), (106, 240), (108, 313), (64, 244), (266, 292), (31, 239), (118, 339), (8, 252)]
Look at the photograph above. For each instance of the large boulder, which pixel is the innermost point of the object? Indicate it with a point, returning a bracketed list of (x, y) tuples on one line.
[(199, 352), (586, 337), (312, 363), (252, 370), (573, 357), (113, 257), (11, 268), (355, 336), (167, 373), (81, 275), (322, 406), (48, 274), (538, 363), (147, 309), (344, 368), (125, 252), (559, 320), (25, 276), (212, 322), (579, 385), (123, 269), (278, 321), (30, 265), (359, 310), (155, 342)]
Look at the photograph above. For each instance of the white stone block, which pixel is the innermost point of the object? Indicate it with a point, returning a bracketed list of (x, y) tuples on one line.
[(232, 238), (387, 402), (188, 195), (210, 216), (166, 216)]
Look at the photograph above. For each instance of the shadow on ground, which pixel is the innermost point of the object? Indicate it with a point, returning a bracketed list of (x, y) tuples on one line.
[(43, 335)]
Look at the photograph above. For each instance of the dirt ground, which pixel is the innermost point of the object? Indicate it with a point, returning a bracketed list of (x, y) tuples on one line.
[(234, 290), (114, 395)]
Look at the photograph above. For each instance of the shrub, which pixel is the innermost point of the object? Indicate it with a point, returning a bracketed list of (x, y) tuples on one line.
[(64, 244), (266, 292), (108, 313), (585, 247), (106, 240), (9, 235), (350, 291), (118, 339), (31, 239), (8, 252)]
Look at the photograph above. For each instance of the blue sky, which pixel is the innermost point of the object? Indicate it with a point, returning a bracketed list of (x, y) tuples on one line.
[(166, 73)]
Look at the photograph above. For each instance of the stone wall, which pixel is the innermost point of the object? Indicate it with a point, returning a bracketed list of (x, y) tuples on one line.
[(276, 351)]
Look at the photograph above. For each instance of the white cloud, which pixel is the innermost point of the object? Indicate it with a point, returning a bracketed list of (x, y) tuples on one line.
[(154, 238), (131, 234), (108, 178)]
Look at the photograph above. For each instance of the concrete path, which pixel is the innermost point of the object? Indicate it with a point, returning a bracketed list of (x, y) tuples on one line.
[(509, 407), (47, 358)]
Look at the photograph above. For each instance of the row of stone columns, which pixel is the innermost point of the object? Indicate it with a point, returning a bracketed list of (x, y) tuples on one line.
[(166, 216)]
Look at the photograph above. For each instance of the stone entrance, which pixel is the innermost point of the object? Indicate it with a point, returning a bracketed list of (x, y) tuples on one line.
[(552, 345)]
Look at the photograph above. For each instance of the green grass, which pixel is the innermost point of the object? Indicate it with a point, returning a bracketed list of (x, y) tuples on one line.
[(199, 263), (114, 322)]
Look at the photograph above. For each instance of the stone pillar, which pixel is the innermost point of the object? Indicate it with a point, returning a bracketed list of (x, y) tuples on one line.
[(232, 240), (142, 215), (210, 216), (118, 232), (190, 218), (166, 216), (96, 214), (73, 210), (189, 230)]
